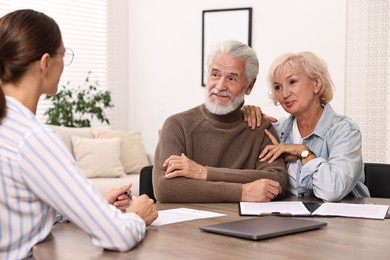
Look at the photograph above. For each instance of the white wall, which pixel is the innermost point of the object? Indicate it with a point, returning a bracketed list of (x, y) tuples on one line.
[(165, 52), (119, 56)]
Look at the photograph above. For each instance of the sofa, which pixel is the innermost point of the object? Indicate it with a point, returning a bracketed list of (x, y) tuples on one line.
[(107, 157)]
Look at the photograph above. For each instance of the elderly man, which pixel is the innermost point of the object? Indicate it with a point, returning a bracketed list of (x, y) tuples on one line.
[(208, 153)]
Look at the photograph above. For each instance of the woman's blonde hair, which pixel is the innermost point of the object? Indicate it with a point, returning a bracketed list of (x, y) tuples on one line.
[(309, 63)]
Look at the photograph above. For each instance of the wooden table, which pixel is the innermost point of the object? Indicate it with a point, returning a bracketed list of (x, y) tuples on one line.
[(343, 238)]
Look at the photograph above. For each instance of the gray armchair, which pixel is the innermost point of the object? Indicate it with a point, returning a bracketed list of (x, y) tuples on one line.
[(145, 182)]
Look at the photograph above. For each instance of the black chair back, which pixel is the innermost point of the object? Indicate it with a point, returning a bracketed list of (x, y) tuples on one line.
[(145, 182), (377, 179)]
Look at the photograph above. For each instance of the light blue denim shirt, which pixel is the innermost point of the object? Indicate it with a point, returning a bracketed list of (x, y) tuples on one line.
[(338, 170)]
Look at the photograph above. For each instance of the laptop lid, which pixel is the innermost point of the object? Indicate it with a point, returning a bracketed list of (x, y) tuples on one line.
[(264, 227)]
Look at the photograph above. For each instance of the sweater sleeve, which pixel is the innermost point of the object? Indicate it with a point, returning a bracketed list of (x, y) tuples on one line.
[(222, 185), (263, 170)]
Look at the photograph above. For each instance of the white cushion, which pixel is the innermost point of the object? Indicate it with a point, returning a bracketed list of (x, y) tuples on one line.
[(98, 157), (133, 154), (66, 132)]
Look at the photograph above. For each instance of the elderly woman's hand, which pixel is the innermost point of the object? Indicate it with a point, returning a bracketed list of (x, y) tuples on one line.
[(274, 151), (253, 116)]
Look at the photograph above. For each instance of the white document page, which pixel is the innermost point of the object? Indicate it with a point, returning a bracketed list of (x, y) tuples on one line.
[(182, 214), (352, 210), (278, 207)]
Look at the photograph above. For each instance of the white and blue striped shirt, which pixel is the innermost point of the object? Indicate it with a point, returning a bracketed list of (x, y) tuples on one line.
[(38, 179)]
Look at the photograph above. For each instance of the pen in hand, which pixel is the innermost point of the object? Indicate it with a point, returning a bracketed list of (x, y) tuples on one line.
[(129, 195)]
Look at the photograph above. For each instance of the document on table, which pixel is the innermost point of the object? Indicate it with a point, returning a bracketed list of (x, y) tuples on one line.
[(352, 210), (297, 208), (170, 216)]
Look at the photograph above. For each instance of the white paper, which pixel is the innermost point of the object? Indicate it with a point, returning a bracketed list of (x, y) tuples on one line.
[(352, 210), (182, 214), (278, 207), (297, 208)]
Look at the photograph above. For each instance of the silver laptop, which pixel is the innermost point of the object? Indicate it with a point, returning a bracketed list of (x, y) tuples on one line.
[(264, 227)]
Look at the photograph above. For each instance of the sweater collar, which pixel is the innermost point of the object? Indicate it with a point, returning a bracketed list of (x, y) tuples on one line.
[(228, 118)]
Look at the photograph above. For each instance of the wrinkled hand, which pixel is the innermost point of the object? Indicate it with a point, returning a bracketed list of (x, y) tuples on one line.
[(263, 190), (144, 207), (118, 197), (253, 116), (272, 152), (182, 166)]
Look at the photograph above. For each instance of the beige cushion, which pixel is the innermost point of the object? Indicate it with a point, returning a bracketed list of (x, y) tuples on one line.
[(98, 157), (66, 132), (133, 155)]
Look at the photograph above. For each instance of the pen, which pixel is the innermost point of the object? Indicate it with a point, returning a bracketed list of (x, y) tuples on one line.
[(129, 195)]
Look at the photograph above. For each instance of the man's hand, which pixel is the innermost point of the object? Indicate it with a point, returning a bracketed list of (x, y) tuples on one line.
[(182, 166), (118, 197), (263, 190), (253, 116), (144, 207)]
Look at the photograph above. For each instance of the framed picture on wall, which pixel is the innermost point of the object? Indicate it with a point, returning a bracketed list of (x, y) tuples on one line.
[(224, 24)]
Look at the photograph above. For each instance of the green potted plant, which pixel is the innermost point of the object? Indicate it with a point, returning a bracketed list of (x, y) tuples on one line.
[(76, 107)]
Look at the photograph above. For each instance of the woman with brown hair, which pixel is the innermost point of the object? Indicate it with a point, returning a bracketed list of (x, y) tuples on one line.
[(40, 183)]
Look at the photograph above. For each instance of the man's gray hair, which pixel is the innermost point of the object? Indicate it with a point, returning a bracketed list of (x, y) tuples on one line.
[(239, 50)]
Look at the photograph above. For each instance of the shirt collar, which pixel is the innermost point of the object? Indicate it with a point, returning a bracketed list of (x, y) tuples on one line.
[(326, 121), (323, 125), (14, 105)]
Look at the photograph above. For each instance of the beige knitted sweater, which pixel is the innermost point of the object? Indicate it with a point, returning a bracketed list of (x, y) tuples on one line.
[(225, 145)]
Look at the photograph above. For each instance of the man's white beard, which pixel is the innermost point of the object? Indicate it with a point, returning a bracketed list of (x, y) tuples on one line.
[(217, 109)]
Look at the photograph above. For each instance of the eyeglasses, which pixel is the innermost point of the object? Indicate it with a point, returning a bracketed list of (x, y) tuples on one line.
[(68, 56)]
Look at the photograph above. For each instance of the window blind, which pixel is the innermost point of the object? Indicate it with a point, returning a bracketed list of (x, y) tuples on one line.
[(85, 29)]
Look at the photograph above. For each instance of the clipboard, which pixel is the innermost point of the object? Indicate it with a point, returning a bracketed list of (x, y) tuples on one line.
[(279, 208)]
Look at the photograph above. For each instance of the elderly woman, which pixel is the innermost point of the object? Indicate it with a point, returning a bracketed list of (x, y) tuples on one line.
[(322, 149)]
